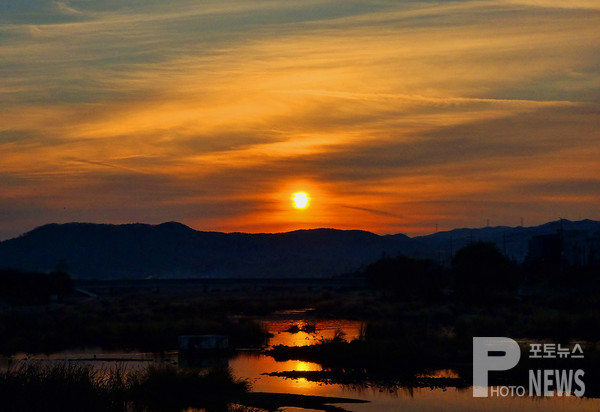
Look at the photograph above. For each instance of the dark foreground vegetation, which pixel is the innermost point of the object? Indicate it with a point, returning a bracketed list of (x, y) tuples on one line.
[(34, 288), (482, 294), (132, 323), (420, 317), (33, 386), (32, 322), (411, 361)]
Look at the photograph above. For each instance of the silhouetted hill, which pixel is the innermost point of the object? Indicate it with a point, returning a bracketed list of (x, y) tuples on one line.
[(173, 250), (512, 241)]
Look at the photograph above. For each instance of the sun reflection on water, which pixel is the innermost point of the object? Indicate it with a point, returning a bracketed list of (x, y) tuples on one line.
[(305, 335)]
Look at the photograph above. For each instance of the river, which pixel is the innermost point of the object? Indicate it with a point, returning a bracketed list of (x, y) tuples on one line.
[(252, 365)]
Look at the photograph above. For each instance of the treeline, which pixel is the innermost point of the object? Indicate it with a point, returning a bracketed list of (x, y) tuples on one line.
[(33, 288), (478, 272), (483, 293), (425, 316)]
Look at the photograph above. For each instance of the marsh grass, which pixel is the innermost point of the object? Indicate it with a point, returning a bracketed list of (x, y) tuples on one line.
[(60, 386), (146, 324)]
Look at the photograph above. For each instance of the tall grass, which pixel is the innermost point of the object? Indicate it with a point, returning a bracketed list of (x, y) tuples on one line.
[(142, 325), (37, 386)]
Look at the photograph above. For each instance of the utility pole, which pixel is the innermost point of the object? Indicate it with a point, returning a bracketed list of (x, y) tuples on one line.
[(562, 244)]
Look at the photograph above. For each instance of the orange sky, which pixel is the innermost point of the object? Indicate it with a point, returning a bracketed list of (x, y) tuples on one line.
[(394, 116)]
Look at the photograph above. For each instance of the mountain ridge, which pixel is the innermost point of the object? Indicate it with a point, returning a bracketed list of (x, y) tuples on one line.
[(174, 250)]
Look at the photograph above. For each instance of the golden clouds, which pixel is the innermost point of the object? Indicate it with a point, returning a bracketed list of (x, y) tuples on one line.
[(378, 106)]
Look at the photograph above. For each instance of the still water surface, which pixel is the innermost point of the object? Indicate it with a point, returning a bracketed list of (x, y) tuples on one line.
[(252, 366), (418, 399)]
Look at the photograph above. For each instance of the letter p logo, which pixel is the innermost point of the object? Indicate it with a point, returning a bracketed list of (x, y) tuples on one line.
[(492, 354)]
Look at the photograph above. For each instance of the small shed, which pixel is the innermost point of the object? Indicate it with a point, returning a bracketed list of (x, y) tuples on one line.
[(203, 343)]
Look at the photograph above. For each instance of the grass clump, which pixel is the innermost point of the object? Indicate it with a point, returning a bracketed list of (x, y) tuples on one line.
[(67, 387), (172, 389)]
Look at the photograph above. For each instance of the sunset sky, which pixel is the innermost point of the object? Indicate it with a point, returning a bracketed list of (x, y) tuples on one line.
[(394, 116)]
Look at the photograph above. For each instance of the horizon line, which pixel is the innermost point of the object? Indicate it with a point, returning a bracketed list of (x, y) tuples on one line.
[(295, 230)]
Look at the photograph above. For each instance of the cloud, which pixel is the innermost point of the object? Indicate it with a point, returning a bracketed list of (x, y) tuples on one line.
[(573, 189), (374, 211), (569, 5), (65, 8), (196, 108)]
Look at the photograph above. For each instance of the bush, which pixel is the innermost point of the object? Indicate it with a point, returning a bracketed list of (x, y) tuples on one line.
[(481, 270), (407, 277)]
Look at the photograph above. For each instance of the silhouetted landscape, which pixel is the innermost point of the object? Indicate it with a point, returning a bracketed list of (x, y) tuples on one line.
[(175, 251), (417, 315), (324, 205)]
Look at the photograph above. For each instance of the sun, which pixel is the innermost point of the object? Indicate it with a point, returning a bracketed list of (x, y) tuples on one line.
[(301, 200)]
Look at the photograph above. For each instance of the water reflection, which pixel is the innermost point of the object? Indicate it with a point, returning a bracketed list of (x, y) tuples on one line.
[(253, 366), (440, 373), (385, 400), (324, 329)]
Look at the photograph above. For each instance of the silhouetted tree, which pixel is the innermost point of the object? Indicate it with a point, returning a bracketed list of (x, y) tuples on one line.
[(61, 266), (19, 287), (406, 277), (60, 284), (480, 270)]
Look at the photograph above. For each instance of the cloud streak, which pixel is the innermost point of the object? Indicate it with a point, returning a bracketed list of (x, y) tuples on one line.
[(224, 108)]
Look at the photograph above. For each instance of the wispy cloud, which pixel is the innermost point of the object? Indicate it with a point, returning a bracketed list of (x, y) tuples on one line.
[(575, 4), (228, 106)]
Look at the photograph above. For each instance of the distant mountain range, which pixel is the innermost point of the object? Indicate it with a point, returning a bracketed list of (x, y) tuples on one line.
[(173, 250)]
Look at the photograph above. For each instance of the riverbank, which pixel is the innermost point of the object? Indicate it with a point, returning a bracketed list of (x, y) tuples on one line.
[(31, 385)]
